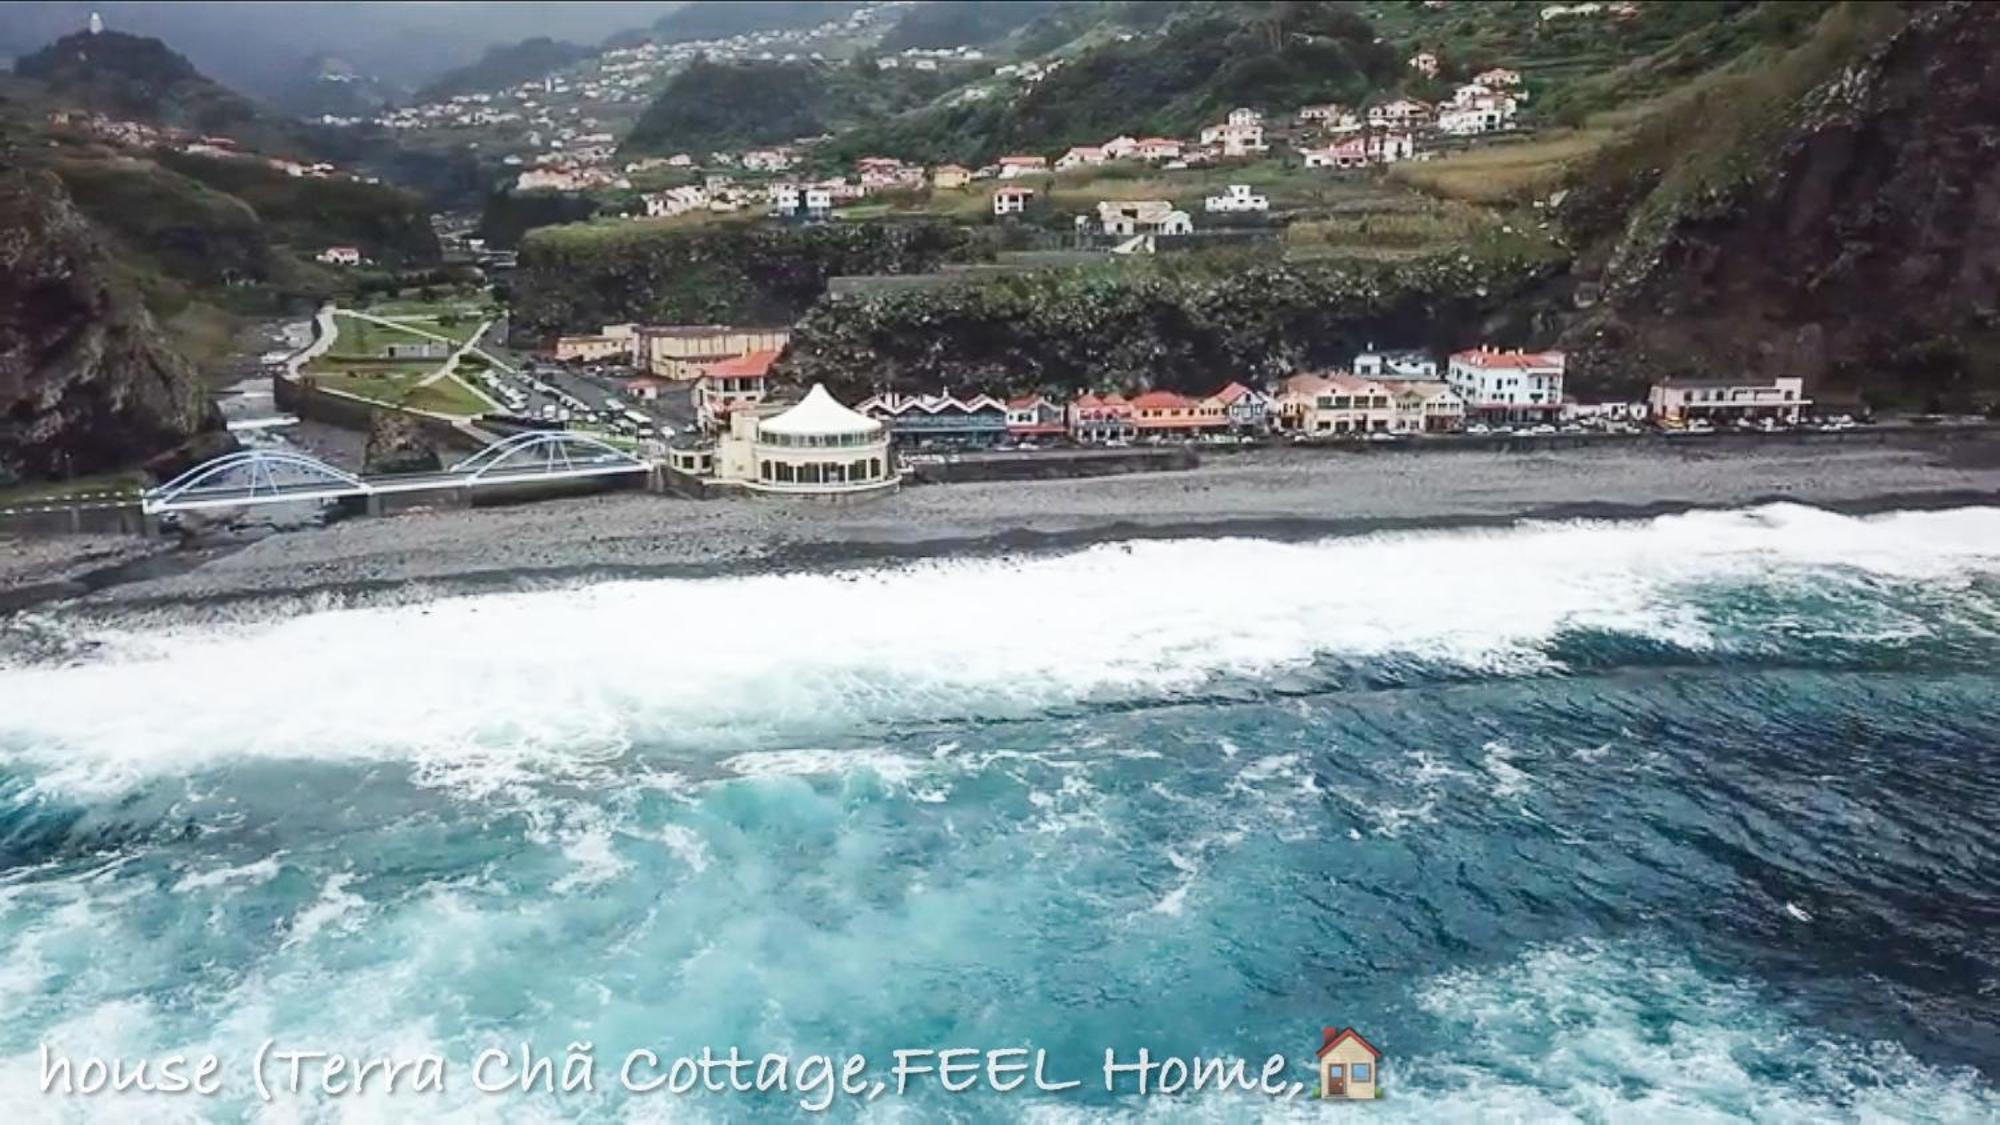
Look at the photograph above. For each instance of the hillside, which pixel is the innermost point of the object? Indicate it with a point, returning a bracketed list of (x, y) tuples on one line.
[(717, 105), (1827, 211), (1206, 60), (135, 78), (720, 19), (952, 23), (504, 66), (87, 382)]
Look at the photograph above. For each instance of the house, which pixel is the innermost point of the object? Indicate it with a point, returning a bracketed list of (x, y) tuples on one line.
[(1498, 78), (1405, 364), (1427, 406), (1238, 198), (1403, 113), (1011, 200), (731, 385), (950, 177), (1120, 148), (1675, 402), (646, 388), (1124, 218), (1035, 418), (805, 201), (1349, 404), (1248, 410), (1097, 419), (1168, 414), (1291, 407), (1388, 147), (675, 201), (1014, 167), (768, 160), (1080, 156), (1425, 63), (1507, 386), (944, 419), (1154, 150), (1347, 1065), (1470, 120), (1347, 154), (1241, 134), (340, 256), (1321, 115)]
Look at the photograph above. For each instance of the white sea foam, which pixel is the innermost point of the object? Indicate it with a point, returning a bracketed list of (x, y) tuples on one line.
[(481, 691)]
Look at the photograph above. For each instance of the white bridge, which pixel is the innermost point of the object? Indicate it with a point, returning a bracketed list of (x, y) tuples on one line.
[(276, 476)]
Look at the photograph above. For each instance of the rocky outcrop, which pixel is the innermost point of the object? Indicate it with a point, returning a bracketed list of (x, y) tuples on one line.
[(86, 382), (397, 444), (1844, 227), (580, 277), (1189, 325)]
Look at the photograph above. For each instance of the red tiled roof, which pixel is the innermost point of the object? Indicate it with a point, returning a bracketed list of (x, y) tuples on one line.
[(750, 363), (1024, 160), (1334, 1037), (1232, 392), (1477, 357), (1162, 400)]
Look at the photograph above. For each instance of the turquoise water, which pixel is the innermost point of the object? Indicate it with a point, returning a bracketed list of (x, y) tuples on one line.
[(1695, 818)]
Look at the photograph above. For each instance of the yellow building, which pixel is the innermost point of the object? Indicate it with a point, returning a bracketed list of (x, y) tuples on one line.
[(615, 342), (681, 351)]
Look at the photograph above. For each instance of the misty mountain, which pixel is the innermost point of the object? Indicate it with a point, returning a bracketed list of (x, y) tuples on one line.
[(263, 47), (505, 66)]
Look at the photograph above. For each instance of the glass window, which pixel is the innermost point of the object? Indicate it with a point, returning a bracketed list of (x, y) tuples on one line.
[(1362, 1072), (1335, 1070)]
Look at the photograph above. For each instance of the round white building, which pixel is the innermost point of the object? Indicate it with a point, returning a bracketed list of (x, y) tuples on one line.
[(817, 447)]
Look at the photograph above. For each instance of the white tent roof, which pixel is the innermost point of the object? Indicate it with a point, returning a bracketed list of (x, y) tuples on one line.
[(818, 413)]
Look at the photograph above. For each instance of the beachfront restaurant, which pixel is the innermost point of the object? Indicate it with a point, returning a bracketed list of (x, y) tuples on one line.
[(817, 447)]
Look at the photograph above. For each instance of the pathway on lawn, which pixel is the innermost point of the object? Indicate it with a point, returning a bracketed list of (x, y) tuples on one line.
[(449, 366)]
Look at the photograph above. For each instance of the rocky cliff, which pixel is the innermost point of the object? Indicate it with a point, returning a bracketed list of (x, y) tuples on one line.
[(86, 382), (1833, 214)]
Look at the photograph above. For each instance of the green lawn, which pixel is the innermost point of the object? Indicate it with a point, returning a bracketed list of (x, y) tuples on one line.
[(395, 384)]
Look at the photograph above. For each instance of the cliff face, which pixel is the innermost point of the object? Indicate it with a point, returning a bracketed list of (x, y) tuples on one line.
[(1857, 245), (86, 382), (576, 279)]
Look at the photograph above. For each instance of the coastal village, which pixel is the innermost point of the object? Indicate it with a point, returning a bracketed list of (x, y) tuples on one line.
[(1388, 395)]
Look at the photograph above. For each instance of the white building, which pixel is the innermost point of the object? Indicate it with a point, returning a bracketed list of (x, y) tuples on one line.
[(1241, 134), (816, 448), (340, 256), (1237, 198), (1504, 386), (1427, 407), (1678, 401), (1012, 200), (1123, 218), (1406, 364), (675, 201)]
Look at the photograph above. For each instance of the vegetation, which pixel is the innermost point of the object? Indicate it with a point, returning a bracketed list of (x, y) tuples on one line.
[(1185, 322), (1210, 59), (577, 278), (712, 106), (950, 23), (505, 65)]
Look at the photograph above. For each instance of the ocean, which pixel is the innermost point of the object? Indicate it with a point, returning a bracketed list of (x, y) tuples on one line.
[(1692, 818)]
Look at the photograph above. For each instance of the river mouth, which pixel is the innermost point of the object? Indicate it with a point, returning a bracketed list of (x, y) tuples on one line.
[(1544, 811)]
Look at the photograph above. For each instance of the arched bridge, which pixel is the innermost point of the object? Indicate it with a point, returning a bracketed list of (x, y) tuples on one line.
[(279, 476)]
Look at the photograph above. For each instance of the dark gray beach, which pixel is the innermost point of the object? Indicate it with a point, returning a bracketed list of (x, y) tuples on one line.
[(1288, 493)]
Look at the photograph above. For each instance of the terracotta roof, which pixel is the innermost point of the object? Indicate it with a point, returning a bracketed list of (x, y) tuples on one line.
[(750, 363), (1024, 402), (1158, 400), (1232, 392), (1334, 1037), (1480, 357), (1024, 160)]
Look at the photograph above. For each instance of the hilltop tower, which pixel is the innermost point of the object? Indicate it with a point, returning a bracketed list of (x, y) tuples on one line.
[(96, 24)]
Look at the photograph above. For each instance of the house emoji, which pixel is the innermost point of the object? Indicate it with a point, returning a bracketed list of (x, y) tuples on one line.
[(1347, 1064)]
